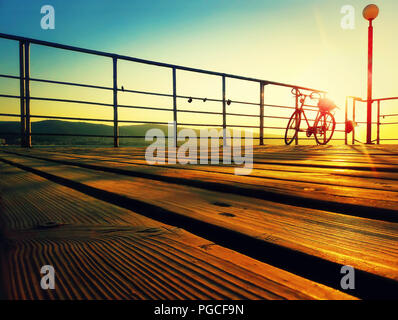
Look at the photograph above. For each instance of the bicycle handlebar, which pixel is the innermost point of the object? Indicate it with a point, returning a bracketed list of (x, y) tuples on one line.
[(312, 95), (315, 95), (296, 92)]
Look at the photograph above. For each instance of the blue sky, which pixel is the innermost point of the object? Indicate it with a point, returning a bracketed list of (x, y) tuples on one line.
[(148, 29), (251, 37)]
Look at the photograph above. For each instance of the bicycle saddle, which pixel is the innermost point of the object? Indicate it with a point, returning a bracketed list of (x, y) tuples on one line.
[(325, 104)]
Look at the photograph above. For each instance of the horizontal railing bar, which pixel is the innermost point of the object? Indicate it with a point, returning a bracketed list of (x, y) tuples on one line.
[(9, 76), (245, 102), (96, 120), (199, 125), (242, 115), (58, 82), (142, 107), (276, 117), (388, 123), (385, 99), (279, 128), (160, 64), (199, 98), (69, 118), (71, 135), (274, 138), (241, 126), (364, 122), (146, 122), (73, 101), (106, 104), (166, 137), (356, 98), (146, 92), (9, 115), (389, 115), (204, 112), (9, 96), (139, 137), (218, 100), (373, 100), (70, 84), (278, 106)]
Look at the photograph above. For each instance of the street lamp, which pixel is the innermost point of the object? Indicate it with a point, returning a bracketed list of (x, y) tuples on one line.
[(370, 13)]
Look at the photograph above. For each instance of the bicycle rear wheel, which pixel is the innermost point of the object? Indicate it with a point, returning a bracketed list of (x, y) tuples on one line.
[(292, 127), (324, 128)]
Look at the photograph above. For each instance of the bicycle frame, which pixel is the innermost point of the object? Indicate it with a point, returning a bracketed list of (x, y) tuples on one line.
[(302, 112)]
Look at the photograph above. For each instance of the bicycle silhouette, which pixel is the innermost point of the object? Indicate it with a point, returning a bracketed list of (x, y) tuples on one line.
[(324, 123)]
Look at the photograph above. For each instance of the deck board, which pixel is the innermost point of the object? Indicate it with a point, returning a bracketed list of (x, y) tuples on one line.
[(341, 175)]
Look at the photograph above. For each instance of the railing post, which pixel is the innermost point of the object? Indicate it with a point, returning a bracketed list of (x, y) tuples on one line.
[(297, 118), (353, 120), (370, 79), (115, 104), (22, 91), (262, 113), (378, 121), (224, 112), (175, 106), (28, 136), (345, 122)]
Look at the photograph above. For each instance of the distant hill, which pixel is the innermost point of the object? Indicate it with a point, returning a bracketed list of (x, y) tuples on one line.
[(66, 129)]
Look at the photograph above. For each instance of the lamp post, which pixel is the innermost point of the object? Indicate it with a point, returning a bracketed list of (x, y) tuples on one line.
[(370, 13)]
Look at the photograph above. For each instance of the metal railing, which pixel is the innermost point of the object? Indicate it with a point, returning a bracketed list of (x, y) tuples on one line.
[(25, 97), (378, 122)]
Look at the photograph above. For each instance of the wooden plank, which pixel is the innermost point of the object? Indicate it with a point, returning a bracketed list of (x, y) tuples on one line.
[(368, 245), (101, 251), (373, 180)]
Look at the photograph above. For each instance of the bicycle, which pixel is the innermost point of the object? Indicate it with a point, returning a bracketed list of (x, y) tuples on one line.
[(324, 123)]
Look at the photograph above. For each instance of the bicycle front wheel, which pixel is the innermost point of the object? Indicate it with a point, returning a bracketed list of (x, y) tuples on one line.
[(292, 127), (324, 128)]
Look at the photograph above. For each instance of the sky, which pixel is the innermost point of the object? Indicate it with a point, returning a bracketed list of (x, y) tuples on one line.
[(292, 41)]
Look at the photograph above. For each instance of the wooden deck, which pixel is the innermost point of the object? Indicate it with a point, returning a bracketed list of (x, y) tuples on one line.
[(128, 230)]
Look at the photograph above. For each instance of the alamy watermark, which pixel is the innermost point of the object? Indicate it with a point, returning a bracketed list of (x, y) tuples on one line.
[(348, 280), (202, 149), (48, 280), (48, 20), (348, 20)]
